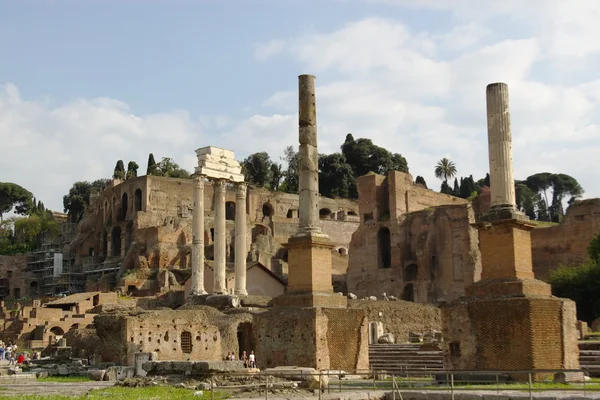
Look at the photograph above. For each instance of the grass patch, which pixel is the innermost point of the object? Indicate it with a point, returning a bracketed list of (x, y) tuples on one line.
[(64, 379), (125, 393), (544, 224)]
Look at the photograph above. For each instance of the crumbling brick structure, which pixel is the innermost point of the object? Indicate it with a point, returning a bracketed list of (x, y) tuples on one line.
[(412, 243), (508, 320)]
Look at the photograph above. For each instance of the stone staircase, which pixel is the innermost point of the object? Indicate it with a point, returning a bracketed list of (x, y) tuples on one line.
[(405, 358), (589, 357)]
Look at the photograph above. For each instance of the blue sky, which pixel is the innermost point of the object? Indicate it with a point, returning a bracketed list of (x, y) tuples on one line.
[(85, 83)]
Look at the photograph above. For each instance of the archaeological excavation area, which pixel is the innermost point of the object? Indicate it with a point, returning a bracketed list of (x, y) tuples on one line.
[(168, 279)]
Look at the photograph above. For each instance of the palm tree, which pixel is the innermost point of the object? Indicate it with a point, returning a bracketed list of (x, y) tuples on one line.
[(445, 169)]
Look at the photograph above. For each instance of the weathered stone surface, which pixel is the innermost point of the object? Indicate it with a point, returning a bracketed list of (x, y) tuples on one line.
[(97, 374), (500, 146), (386, 338), (412, 243)]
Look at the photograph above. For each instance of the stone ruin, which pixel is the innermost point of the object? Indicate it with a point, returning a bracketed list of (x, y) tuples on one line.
[(508, 320)]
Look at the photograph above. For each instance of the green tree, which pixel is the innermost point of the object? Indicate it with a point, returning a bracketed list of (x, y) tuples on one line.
[(456, 188), (421, 181), (169, 168), (257, 169), (444, 170), (276, 176), (13, 195), (363, 157), (290, 176), (445, 188), (151, 168), (132, 168), (336, 178), (78, 198), (119, 172), (581, 284), (526, 199), (467, 187), (562, 186)]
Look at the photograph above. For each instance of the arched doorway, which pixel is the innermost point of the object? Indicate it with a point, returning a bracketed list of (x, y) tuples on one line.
[(384, 247), (259, 230), (56, 334), (267, 210), (245, 338), (124, 207), (116, 242), (324, 213), (410, 273), (138, 200), (408, 294)]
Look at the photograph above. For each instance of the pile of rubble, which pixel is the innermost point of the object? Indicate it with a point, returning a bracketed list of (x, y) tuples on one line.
[(79, 367)]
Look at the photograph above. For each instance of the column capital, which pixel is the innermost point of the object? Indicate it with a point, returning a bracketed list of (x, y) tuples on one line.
[(219, 183), (199, 180), (240, 189)]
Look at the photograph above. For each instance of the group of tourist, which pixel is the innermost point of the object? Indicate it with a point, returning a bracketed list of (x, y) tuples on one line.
[(10, 352), (248, 360)]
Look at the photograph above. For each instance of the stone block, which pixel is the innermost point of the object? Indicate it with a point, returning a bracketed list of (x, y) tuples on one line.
[(96, 375)]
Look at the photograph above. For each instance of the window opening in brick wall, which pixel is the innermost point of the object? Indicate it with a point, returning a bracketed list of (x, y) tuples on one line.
[(455, 349), (385, 248), (186, 342), (367, 217)]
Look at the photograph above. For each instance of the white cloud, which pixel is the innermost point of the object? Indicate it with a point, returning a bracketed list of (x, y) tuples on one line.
[(411, 91), (401, 89), (265, 50)]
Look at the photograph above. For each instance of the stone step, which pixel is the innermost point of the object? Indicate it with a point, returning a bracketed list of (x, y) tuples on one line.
[(407, 362)]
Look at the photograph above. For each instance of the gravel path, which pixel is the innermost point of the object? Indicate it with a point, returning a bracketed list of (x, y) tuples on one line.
[(49, 388)]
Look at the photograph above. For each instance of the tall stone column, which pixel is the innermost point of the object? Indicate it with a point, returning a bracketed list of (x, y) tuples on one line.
[(240, 239), (220, 249), (500, 146), (198, 238), (308, 157)]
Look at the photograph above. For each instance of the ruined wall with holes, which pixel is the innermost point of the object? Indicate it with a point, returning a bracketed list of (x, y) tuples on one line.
[(347, 339), (476, 332), (400, 317), (201, 333), (312, 337), (426, 256), (15, 281), (565, 244), (144, 224)]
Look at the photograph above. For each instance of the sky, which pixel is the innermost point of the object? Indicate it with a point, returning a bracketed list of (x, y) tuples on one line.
[(86, 83)]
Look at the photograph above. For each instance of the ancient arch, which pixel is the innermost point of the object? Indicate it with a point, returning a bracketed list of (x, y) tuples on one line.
[(259, 230), (342, 251), (325, 213), (230, 210), (124, 206), (138, 200), (74, 326), (410, 273), (267, 210), (116, 242), (384, 248), (408, 293)]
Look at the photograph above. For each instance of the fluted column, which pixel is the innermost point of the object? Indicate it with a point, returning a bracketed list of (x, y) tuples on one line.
[(308, 157), (500, 146), (240, 239), (198, 238), (220, 283)]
